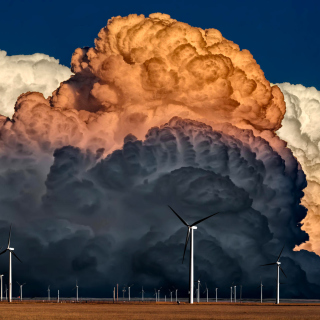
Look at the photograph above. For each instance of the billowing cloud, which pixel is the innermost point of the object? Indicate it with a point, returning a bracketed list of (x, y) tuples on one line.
[(22, 73), (97, 217), (141, 73), (158, 113), (300, 128)]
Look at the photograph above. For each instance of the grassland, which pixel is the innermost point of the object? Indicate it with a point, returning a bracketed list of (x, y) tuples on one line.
[(92, 311)]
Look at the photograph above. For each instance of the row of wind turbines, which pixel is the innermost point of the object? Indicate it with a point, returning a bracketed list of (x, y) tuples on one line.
[(190, 236)]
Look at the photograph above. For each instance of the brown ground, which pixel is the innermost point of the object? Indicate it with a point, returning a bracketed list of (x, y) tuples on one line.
[(66, 311)]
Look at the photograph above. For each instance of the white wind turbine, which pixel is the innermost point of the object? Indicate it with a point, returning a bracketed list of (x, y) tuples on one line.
[(156, 294), (123, 292), (207, 290), (48, 293), (142, 293), (10, 264), (76, 287), (1, 285), (278, 263), (216, 294), (260, 286), (176, 293), (129, 287), (190, 235), (171, 294), (231, 293), (198, 290), (235, 293), (20, 285)]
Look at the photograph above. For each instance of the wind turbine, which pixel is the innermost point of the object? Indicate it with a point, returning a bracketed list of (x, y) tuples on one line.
[(198, 290), (171, 294), (231, 293), (190, 235), (123, 291), (176, 293), (159, 294), (235, 293), (10, 264), (20, 285), (156, 294), (278, 263), (76, 287), (207, 292), (48, 293), (142, 292), (129, 291), (261, 285), (1, 285), (216, 294)]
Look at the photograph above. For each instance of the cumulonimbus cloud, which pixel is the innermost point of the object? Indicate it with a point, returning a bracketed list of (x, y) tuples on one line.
[(157, 112)]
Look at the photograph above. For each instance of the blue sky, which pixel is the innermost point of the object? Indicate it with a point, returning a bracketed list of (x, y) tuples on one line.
[(283, 35)]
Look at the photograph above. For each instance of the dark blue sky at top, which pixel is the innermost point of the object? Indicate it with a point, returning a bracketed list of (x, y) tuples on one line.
[(282, 35)]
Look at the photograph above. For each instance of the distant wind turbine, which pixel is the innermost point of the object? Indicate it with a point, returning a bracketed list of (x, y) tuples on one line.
[(1, 285), (207, 290), (235, 293), (48, 293), (76, 287), (231, 292), (129, 287), (176, 293), (10, 264), (198, 290), (190, 235), (142, 292), (217, 294), (278, 263), (260, 286), (20, 285), (123, 291), (170, 294)]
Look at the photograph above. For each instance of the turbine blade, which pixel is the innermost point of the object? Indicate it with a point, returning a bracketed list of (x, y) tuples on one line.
[(195, 223), (16, 256), (282, 271), (9, 236), (185, 246), (18, 283), (3, 252), (179, 217), (280, 253), (268, 264)]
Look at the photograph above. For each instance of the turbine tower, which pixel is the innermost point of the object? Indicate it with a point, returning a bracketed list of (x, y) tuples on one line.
[(231, 293), (190, 235), (142, 292), (216, 294), (171, 294), (176, 293), (10, 264), (48, 293), (278, 263), (76, 287), (1, 285), (260, 286), (129, 291), (198, 290), (207, 290), (20, 285)]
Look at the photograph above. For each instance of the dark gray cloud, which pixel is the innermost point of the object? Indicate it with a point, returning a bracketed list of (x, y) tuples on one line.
[(106, 221)]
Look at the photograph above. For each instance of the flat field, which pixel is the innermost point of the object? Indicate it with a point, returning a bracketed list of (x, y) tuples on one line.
[(93, 311)]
